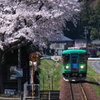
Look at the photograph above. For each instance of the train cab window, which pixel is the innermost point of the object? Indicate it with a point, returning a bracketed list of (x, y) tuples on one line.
[(66, 58), (74, 59), (83, 58)]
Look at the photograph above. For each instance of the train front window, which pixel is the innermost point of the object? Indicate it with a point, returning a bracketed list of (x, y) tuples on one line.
[(74, 59), (83, 58), (66, 58)]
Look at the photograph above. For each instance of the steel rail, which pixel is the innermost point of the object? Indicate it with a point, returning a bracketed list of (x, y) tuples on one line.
[(83, 91), (76, 89)]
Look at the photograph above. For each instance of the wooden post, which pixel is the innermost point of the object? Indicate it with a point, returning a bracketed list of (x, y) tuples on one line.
[(43, 82), (52, 82)]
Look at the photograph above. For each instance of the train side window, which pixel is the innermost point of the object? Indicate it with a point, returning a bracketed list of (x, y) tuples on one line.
[(83, 58), (66, 58)]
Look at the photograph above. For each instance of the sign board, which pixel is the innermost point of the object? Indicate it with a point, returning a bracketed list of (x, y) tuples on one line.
[(19, 73), (12, 72)]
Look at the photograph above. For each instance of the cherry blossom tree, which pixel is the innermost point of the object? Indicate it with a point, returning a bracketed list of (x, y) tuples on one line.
[(34, 20)]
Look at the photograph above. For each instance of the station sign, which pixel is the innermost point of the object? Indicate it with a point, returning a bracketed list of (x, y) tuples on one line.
[(19, 73)]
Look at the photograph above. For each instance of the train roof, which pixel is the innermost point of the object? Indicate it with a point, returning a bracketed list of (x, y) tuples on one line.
[(73, 51)]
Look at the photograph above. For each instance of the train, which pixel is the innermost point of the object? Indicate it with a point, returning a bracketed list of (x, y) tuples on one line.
[(74, 66)]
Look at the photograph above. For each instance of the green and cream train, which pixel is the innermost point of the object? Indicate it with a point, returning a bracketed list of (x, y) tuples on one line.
[(74, 67)]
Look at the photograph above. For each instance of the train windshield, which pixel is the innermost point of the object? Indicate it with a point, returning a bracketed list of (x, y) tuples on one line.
[(66, 58), (74, 59), (83, 58)]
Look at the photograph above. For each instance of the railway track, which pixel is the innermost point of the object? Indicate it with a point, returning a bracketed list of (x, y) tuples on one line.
[(77, 91), (73, 91)]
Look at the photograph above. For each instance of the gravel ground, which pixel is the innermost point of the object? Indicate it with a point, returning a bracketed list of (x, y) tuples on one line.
[(64, 91), (90, 92)]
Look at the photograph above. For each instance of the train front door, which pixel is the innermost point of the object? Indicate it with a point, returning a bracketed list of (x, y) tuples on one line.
[(74, 62)]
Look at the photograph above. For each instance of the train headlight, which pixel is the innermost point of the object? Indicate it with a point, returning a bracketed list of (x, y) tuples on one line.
[(82, 66), (67, 67)]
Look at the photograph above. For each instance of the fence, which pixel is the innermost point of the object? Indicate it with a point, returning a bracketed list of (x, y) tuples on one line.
[(9, 97), (31, 91), (49, 82), (93, 59)]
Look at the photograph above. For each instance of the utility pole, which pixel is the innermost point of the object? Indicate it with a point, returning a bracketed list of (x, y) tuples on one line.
[(86, 32)]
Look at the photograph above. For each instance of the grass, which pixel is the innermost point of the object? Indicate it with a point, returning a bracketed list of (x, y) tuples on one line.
[(50, 74), (94, 78)]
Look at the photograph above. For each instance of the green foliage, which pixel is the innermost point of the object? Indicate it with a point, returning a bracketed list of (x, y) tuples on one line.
[(95, 34), (88, 17), (89, 45), (97, 9)]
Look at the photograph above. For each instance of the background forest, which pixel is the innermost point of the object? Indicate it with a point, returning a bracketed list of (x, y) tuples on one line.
[(89, 17)]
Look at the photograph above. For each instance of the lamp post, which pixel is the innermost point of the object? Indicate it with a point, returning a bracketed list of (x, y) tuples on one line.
[(86, 32)]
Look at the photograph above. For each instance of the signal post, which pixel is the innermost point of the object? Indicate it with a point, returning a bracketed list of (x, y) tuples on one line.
[(34, 58)]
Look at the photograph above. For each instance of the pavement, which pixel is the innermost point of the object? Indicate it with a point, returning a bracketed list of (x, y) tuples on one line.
[(95, 65)]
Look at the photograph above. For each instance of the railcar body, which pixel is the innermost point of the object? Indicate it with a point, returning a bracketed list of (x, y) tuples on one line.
[(74, 67)]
